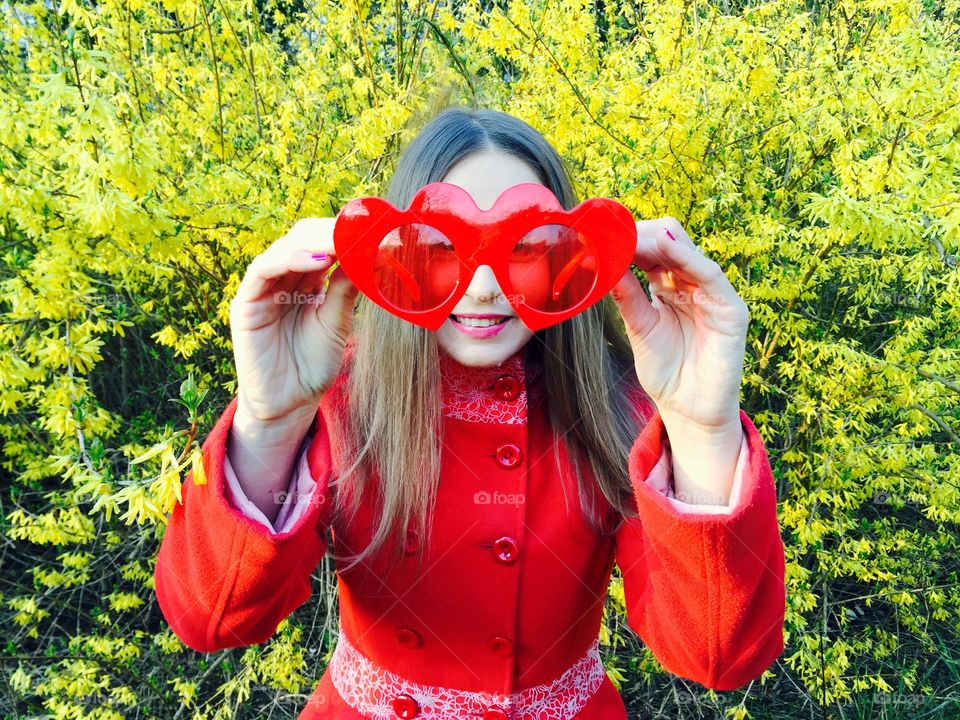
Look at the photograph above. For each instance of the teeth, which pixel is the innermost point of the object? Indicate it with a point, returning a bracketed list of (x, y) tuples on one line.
[(476, 322)]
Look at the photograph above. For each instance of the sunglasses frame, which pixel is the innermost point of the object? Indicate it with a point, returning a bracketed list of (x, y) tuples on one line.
[(485, 237)]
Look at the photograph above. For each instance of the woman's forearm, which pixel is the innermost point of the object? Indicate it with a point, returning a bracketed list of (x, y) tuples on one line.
[(263, 456), (704, 461)]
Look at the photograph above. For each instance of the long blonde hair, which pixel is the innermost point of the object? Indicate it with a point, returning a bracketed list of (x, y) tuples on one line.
[(393, 420)]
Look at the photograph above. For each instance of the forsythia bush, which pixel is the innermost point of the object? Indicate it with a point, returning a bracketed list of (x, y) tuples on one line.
[(149, 150)]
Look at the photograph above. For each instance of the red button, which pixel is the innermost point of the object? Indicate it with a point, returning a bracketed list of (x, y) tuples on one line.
[(411, 543), (495, 714), (506, 550), (405, 706), (508, 455), (409, 638), (501, 646), (507, 387)]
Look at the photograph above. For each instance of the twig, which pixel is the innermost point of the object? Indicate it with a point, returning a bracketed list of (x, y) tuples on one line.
[(216, 75), (80, 438), (938, 420)]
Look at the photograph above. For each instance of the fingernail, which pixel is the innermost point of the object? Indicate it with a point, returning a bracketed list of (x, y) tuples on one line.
[(669, 234), (319, 256)]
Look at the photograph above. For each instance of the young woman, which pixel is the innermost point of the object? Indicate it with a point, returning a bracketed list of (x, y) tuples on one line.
[(476, 486)]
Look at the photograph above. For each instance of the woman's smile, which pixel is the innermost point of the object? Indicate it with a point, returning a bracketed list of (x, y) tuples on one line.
[(481, 326)]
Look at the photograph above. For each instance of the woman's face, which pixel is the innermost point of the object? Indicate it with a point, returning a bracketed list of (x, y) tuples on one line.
[(485, 175)]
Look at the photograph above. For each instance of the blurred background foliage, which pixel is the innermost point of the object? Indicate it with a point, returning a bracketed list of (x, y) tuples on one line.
[(149, 150)]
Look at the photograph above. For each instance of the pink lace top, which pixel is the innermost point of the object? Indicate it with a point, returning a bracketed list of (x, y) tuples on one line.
[(473, 394)]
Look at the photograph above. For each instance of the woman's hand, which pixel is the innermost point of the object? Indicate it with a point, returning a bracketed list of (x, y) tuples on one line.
[(689, 342), (288, 336)]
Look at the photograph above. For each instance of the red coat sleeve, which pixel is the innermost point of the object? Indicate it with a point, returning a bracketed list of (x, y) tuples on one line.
[(224, 580), (705, 592)]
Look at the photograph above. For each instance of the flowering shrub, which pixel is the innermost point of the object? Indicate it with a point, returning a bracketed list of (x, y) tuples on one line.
[(150, 150)]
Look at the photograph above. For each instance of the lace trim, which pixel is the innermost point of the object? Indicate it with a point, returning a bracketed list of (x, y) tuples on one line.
[(370, 690), (468, 391)]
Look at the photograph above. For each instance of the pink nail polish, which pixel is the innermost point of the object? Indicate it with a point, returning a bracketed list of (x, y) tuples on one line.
[(319, 256), (669, 234)]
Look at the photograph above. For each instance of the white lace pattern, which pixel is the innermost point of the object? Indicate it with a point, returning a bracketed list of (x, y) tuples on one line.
[(371, 690), (468, 391)]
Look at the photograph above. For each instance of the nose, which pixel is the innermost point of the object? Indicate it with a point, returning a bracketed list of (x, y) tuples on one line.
[(484, 287)]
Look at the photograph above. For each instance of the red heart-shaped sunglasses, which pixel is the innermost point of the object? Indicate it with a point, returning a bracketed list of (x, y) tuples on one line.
[(550, 263)]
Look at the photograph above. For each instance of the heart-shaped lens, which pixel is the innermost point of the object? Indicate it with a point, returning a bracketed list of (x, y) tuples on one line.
[(416, 267), (553, 268)]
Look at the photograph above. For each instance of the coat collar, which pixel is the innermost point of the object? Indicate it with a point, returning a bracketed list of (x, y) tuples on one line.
[(495, 394)]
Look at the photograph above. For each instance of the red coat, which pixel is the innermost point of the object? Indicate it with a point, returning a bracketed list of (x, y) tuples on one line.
[(509, 608)]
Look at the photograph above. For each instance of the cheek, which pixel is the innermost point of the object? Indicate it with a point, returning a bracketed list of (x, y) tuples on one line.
[(531, 281), (440, 283)]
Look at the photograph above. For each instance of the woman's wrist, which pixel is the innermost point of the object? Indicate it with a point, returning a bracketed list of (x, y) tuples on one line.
[(264, 454), (714, 433), (278, 432), (704, 460)]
